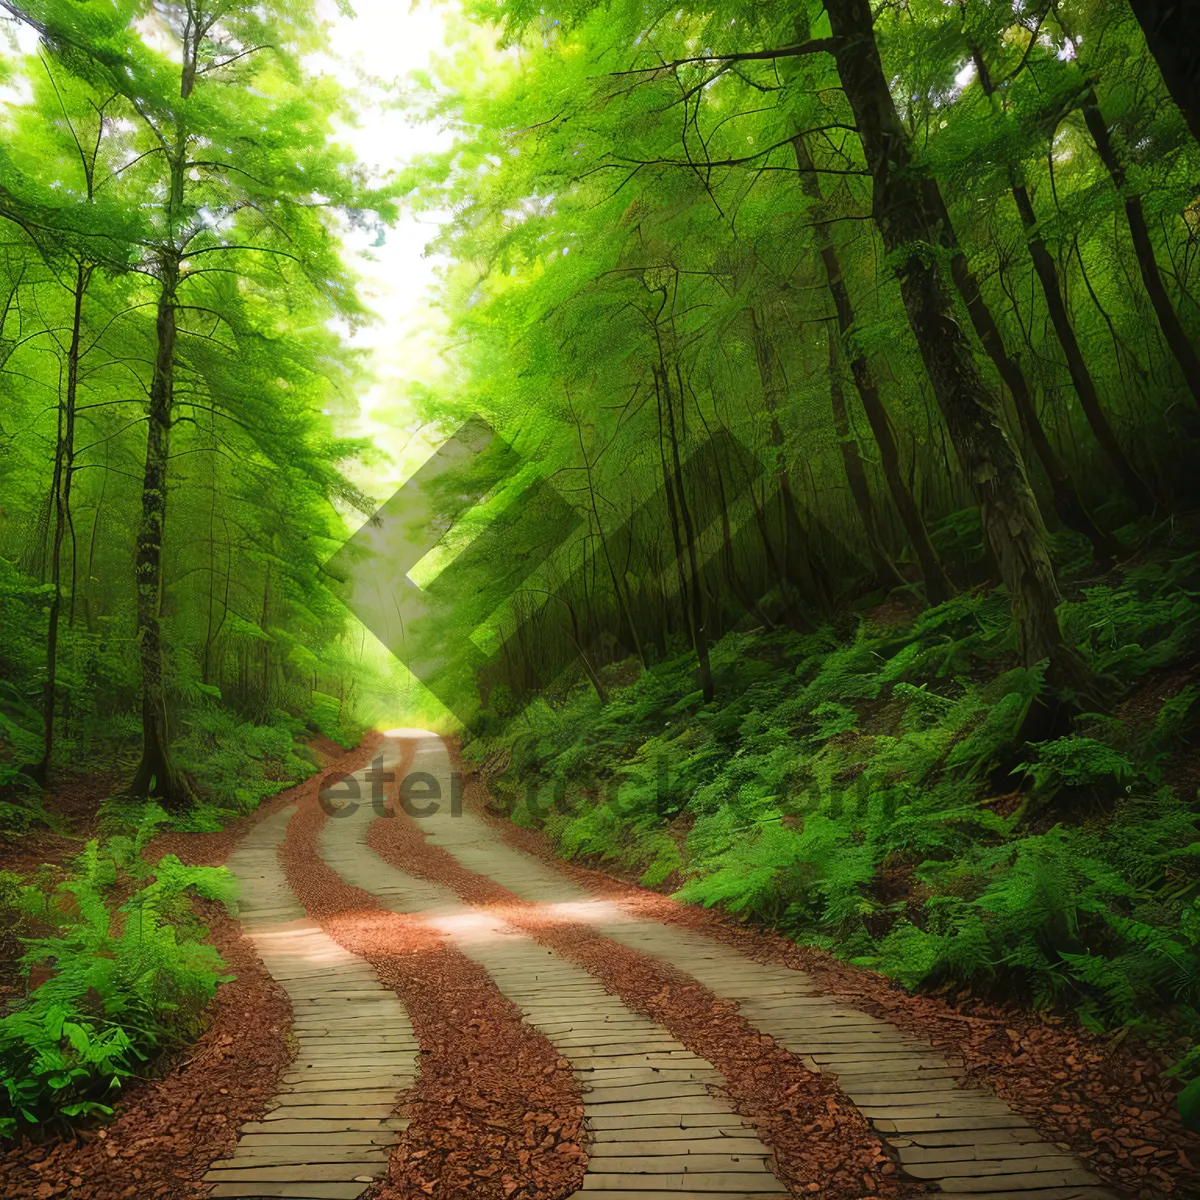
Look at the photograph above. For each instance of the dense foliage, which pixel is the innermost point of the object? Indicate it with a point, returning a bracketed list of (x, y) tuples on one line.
[(860, 343), (126, 980), (865, 790), (174, 371), (170, 377)]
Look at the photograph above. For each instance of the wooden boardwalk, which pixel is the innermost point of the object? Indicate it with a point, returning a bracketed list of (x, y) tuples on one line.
[(657, 1130), (964, 1141), (331, 1129), (655, 1127)]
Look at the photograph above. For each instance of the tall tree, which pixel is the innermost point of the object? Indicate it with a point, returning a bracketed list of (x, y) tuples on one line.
[(1046, 268), (1170, 28), (72, 236), (993, 467), (234, 174)]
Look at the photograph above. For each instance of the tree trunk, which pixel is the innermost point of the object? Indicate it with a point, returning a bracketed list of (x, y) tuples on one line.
[(691, 598), (1168, 320), (156, 774), (742, 593), (937, 583), (88, 615), (856, 477), (797, 567), (696, 612), (1171, 34), (619, 586), (990, 462), (64, 469), (1067, 502), (1081, 377)]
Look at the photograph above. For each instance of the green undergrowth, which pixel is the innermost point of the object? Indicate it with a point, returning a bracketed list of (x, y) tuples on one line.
[(234, 754), (121, 970), (902, 796)]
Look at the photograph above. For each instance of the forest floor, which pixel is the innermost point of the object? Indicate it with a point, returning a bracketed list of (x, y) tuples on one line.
[(576, 1032)]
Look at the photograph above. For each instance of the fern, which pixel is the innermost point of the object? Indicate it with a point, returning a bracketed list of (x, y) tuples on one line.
[(113, 998), (844, 790)]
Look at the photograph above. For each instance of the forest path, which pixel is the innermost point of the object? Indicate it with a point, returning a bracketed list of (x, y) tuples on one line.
[(664, 1113), (330, 1132), (655, 1127), (963, 1141)]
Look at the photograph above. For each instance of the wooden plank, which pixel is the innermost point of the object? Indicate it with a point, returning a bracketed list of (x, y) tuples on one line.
[(268, 1190), (606, 1130), (688, 1106), (689, 1141), (973, 1137), (337, 1091), (1030, 1181), (913, 1068), (340, 1137), (1078, 1192), (616, 1076), (338, 1112), (952, 1106), (977, 1151), (725, 1181), (304, 1173), (605, 1121), (667, 1164), (669, 1090), (670, 1058), (1051, 1163), (264, 1156), (642, 1194), (317, 1125), (950, 1121), (903, 1090)]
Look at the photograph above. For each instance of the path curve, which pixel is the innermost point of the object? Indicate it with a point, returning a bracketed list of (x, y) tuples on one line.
[(964, 1141), (655, 1128), (659, 1126)]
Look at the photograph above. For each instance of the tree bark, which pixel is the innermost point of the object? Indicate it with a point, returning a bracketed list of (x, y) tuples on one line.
[(1067, 502), (619, 586), (856, 476), (990, 462), (1170, 28), (797, 568), (937, 583), (156, 774), (1168, 319), (64, 470), (691, 597)]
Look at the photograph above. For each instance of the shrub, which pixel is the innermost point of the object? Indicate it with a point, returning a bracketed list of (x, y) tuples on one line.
[(125, 984)]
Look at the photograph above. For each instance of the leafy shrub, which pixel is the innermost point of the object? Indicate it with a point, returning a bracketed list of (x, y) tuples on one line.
[(124, 984), (1076, 762)]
